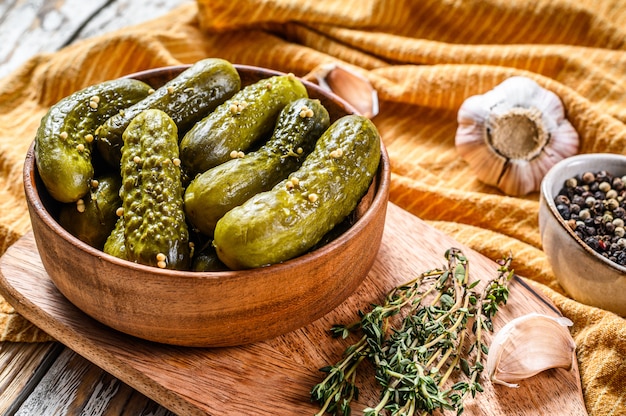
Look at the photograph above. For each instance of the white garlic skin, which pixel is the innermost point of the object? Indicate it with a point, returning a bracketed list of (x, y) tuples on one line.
[(528, 345), (515, 176)]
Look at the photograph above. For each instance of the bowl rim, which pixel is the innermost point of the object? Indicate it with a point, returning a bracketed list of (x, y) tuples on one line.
[(270, 72), (381, 181), (550, 180)]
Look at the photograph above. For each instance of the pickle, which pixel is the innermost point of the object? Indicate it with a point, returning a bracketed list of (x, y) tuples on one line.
[(293, 216), (155, 231), (64, 139), (186, 99), (207, 261), (238, 123), (92, 218), (213, 193), (115, 244)]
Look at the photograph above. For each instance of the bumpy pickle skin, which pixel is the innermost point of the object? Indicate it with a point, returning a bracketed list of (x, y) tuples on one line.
[(115, 244), (186, 99), (213, 193), (65, 138), (155, 231), (92, 218), (277, 225), (238, 123)]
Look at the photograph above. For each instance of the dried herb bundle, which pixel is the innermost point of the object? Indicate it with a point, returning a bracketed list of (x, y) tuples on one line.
[(430, 342)]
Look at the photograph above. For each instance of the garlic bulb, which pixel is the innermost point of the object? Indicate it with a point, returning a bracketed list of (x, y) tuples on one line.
[(528, 345), (512, 135), (349, 85)]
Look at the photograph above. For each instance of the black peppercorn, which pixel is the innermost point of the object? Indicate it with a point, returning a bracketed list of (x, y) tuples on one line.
[(593, 205), (592, 242), (578, 200), (564, 211), (602, 176), (609, 227)]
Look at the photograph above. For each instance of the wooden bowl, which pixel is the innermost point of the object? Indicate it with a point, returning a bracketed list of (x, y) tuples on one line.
[(586, 276), (210, 309)]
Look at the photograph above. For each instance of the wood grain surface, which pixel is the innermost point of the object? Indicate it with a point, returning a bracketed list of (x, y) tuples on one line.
[(73, 386), (30, 27), (274, 377), (22, 365)]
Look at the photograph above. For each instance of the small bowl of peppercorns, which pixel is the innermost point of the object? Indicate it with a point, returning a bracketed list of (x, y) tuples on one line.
[(582, 218)]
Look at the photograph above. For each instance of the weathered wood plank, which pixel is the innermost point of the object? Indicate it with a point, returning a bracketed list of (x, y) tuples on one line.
[(73, 385), (124, 13), (21, 367), (28, 27), (60, 388)]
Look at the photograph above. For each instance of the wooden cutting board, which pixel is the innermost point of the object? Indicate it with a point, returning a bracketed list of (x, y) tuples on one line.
[(274, 377)]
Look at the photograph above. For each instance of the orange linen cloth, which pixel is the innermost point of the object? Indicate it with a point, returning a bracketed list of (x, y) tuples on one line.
[(424, 57)]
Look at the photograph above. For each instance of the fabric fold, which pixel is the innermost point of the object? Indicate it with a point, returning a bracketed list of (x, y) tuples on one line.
[(424, 58)]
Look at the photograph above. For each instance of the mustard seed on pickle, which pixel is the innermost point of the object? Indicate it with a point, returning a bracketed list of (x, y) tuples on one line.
[(594, 207)]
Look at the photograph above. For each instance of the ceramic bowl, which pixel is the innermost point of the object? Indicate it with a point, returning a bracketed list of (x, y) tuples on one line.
[(210, 309), (586, 276)]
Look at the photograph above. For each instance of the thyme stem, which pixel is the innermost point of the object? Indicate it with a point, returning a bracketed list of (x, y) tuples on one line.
[(415, 360)]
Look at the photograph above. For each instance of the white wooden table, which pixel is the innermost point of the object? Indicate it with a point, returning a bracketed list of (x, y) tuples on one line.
[(46, 378)]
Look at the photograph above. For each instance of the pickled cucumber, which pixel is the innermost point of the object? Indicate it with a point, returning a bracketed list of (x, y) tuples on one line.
[(115, 244), (207, 261), (238, 123), (213, 193), (289, 219), (155, 231), (64, 139), (186, 99), (92, 218)]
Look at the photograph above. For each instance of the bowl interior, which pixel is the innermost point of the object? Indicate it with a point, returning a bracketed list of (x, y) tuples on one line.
[(47, 208), (573, 166), (218, 308)]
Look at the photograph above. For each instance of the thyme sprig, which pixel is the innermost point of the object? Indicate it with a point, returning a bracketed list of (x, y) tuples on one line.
[(417, 339)]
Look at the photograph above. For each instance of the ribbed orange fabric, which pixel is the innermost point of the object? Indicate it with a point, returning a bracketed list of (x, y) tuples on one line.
[(424, 57)]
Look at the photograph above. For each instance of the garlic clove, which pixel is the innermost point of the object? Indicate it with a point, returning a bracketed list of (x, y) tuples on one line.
[(348, 84), (528, 345), (567, 144), (523, 125), (476, 154), (514, 181), (520, 178)]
